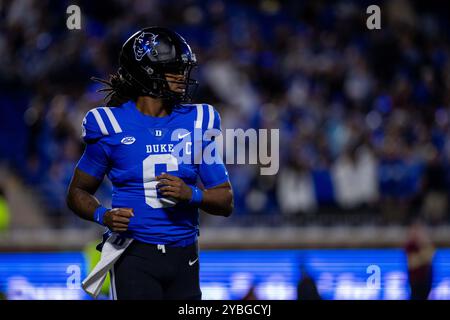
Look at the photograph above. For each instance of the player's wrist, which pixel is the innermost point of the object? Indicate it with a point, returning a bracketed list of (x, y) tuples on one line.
[(197, 195), (99, 215)]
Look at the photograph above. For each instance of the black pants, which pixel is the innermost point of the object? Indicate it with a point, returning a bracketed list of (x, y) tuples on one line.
[(145, 271)]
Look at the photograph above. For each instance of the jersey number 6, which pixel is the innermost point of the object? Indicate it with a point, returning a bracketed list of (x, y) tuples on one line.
[(149, 175)]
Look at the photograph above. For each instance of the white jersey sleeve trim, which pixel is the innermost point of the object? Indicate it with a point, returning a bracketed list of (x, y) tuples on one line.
[(199, 119), (113, 120), (211, 116), (100, 122)]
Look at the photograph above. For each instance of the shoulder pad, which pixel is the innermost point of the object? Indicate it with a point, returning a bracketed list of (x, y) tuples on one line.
[(98, 123), (207, 117)]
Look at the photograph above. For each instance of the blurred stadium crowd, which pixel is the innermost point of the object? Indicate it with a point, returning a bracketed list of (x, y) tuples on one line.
[(363, 114)]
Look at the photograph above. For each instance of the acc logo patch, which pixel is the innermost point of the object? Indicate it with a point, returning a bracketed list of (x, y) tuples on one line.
[(128, 140)]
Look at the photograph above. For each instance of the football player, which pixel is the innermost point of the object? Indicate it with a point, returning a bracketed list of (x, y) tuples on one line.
[(147, 139)]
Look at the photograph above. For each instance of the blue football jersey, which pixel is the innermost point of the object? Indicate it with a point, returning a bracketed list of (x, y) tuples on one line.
[(132, 148)]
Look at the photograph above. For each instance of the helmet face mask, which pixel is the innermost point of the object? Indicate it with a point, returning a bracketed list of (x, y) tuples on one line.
[(149, 55)]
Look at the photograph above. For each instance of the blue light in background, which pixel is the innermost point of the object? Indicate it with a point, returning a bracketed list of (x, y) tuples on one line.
[(42, 276), (229, 274), (348, 274), (441, 275)]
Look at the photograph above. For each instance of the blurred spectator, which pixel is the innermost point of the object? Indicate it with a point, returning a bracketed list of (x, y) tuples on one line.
[(399, 175), (435, 189), (295, 190), (354, 175), (251, 294), (4, 211), (306, 287), (420, 252), (324, 188)]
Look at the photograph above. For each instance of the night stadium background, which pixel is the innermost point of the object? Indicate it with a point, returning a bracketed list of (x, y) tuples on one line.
[(364, 120)]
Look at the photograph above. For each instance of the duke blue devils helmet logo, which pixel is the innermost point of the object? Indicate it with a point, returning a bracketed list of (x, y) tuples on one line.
[(143, 44)]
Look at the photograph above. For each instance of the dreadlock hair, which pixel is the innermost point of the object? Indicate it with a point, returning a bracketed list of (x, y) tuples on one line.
[(118, 90)]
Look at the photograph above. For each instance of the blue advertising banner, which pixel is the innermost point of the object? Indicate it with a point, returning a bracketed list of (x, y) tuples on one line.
[(42, 276), (347, 274)]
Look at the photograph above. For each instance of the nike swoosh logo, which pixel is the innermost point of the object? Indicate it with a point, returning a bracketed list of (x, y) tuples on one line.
[(191, 263), (181, 136)]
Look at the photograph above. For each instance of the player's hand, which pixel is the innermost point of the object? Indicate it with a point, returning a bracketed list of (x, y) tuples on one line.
[(171, 186), (117, 219)]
